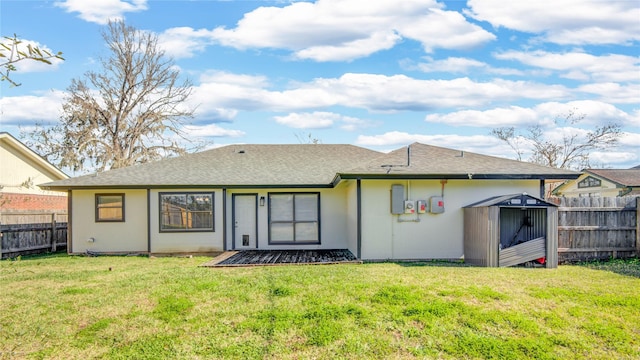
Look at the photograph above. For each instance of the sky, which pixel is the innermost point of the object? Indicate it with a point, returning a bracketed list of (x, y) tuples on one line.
[(377, 74)]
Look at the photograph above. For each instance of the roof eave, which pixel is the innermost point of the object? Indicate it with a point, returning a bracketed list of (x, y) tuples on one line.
[(188, 186), (469, 176)]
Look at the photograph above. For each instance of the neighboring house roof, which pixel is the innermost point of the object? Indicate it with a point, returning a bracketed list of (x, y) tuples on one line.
[(13, 145), (625, 181), (307, 165), (426, 161), (621, 177)]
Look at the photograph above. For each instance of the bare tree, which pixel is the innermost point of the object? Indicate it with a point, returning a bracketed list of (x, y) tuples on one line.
[(132, 111), (308, 139), (570, 151), (12, 51)]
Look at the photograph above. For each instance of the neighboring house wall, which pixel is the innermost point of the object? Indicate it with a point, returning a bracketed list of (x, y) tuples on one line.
[(604, 189), (22, 171), (11, 202), (434, 236)]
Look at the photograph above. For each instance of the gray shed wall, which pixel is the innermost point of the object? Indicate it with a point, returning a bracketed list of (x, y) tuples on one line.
[(486, 227)]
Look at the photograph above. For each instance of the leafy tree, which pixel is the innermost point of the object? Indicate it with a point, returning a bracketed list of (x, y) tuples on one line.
[(570, 151), (129, 112), (12, 52)]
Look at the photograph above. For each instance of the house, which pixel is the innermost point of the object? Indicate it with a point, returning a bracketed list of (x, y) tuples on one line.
[(406, 204), (602, 182), (22, 170)]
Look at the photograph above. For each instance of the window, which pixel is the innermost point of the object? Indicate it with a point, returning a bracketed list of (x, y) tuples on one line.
[(294, 218), (109, 207), (589, 182), (186, 212)]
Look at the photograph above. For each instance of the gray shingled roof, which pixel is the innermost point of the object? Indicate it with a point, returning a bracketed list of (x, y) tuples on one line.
[(623, 177), (428, 161), (312, 165), (234, 165)]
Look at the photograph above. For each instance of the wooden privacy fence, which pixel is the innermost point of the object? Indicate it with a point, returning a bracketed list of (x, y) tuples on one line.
[(591, 228), (32, 233)]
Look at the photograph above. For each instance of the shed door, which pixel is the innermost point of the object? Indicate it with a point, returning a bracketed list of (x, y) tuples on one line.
[(245, 229)]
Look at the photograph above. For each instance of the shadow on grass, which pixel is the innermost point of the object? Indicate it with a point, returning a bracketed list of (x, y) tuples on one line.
[(628, 267), (49, 255)]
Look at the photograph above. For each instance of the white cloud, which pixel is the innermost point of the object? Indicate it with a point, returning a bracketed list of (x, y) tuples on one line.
[(184, 42), (458, 65), (481, 144), (210, 130), (102, 11), (612, 159), (614, 92), (321, 120), (564, 21), (580, 65), (314, 120), (350, 50), (339, 30), (29, 109), (377, 93), (544, 114), (498, 117)]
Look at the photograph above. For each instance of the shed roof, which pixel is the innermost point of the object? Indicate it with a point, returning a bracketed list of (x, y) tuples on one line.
[(513, 200), (307, 165)]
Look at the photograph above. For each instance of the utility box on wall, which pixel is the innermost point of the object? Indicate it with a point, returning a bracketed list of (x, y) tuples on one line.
[(397, 199), (436, 205), (409, 207)]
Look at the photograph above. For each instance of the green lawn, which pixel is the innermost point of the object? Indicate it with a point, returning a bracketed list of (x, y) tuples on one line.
[(66, 307)]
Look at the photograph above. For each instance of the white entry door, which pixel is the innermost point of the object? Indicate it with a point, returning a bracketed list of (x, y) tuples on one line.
[(245, 224)]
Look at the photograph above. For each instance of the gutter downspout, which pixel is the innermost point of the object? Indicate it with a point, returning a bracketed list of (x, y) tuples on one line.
[(359, 218), (149, 222), (224, 219), (69, 223)]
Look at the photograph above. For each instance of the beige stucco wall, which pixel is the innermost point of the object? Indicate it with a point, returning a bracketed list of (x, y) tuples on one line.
[(186, 242), (425, 236), (352, 215), (333, 218), (129, 236)]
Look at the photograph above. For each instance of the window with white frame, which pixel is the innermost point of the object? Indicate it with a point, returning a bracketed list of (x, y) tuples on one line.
[(294, 218), (186, 212)]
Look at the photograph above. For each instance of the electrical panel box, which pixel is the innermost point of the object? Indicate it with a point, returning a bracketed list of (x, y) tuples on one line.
[(422, 206), (397, 199), (436, 205), (409, 207)]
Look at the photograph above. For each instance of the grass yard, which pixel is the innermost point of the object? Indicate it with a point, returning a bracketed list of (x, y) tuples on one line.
[(66, 307)]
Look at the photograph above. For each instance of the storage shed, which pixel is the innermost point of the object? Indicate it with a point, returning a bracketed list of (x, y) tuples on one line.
[(510, 230)]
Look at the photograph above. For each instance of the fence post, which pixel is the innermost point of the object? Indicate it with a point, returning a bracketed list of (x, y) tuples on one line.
[(638, 226), (54, 240)]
